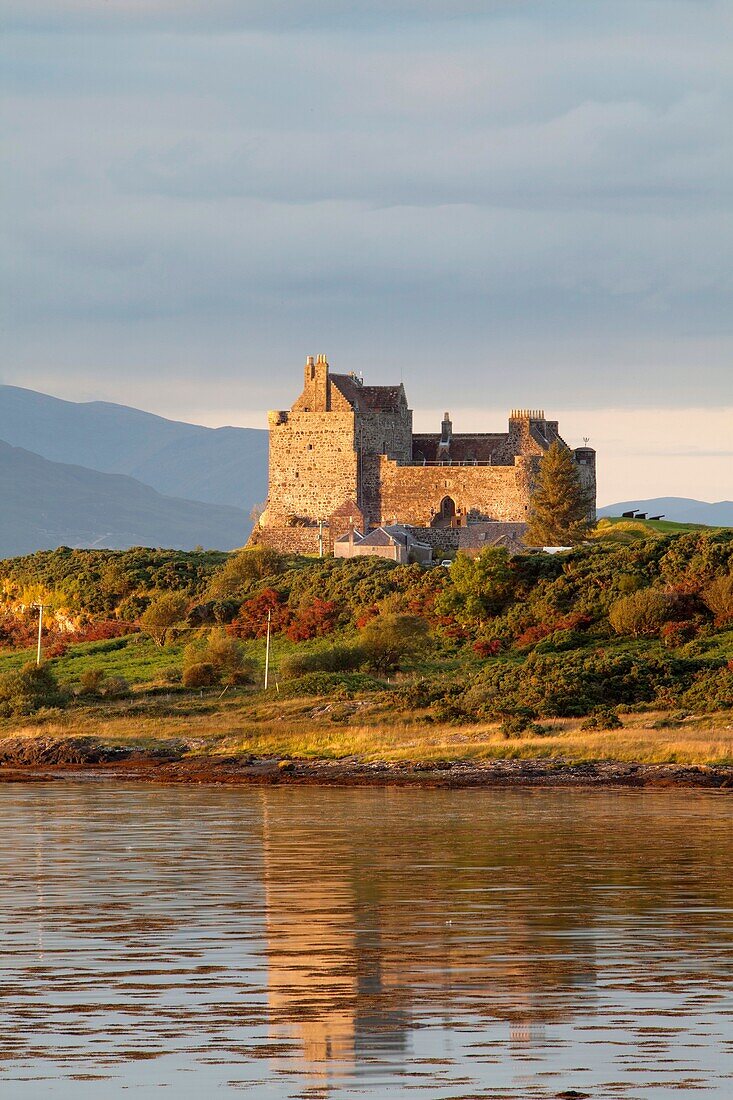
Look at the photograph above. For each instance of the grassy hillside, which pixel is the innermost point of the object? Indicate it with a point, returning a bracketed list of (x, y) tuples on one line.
[(626, 531), (531, 648)]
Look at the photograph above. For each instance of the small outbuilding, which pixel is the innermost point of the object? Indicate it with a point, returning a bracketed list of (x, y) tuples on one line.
[(396, 542)]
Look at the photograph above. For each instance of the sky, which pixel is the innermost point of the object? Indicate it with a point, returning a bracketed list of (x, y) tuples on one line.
[(501, 202)]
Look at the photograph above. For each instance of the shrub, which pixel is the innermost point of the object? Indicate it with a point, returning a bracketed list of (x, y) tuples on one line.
[(115, 687), (718, 597), (423, 693), (228, 657), (102, 630), (571, 684), (640, 614), (224, 654), (516, 724), (243, 570), (603, 719), (487, 647), (560, 641), (334, 658), (712, 689), (389, 640), (199, 675), (313, 621), (251, 622), (25, 690), (90, 681), (675, 634), (338, 684)]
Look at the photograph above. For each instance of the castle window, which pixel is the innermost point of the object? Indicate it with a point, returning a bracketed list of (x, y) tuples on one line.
[(309, 447)]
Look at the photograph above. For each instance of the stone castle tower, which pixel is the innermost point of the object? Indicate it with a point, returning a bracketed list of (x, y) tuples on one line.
[(345, 456)]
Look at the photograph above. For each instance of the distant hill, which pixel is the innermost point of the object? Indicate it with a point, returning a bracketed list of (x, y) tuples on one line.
[(216, 465), (48, 504), (677, 509)]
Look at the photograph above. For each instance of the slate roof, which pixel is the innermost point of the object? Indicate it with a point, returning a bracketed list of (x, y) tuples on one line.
[(377, 398), (357, 536), (463, 448), (386, 536)]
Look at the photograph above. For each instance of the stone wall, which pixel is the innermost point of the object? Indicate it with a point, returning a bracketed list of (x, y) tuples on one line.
[(292, 540), (413, 494), (313, 464)]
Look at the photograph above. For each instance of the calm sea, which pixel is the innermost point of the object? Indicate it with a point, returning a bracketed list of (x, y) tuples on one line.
[(198, 942)]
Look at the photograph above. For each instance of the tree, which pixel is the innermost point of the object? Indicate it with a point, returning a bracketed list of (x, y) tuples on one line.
[(559, 506), (162, 615), (389, 640), (478, 587)]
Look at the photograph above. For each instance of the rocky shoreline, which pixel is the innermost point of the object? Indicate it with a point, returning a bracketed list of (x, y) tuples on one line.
[(87, 758)]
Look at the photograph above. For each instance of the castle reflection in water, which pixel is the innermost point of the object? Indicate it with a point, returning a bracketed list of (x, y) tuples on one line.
[(376, 936)]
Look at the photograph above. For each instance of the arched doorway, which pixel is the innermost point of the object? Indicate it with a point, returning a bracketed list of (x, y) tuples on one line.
[(446, 514)]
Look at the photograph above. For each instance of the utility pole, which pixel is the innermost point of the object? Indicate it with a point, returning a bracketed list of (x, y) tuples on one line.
[(320, 538), (267, 650), (40, 633)]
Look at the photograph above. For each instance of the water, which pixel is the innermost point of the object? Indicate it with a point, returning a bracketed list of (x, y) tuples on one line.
[(348, 943)]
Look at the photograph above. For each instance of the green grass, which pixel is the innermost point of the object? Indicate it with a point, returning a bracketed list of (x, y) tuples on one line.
[(138, 660), (135, 658), (617, 529)]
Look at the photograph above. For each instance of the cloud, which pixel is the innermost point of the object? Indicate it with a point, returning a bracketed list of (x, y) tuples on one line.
[(531, 200), (274, 15)]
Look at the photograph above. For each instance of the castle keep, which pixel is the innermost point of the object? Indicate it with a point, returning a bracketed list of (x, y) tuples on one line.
[(345, 457)]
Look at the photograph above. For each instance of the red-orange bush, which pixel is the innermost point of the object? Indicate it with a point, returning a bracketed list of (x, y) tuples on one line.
[(313, 621), (574, 620), (251, 622), (677, 633)]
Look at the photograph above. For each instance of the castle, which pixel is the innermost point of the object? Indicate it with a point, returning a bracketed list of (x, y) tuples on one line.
[(345, 457)]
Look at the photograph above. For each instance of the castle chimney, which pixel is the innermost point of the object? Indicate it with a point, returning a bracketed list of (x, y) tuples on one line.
[(316, 393)]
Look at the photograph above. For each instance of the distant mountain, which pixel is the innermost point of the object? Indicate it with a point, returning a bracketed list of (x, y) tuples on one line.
[(48, 504), (677, 509), (217, 465)]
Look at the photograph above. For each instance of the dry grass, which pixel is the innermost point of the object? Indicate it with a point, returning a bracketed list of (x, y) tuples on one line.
[(314, 729)]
